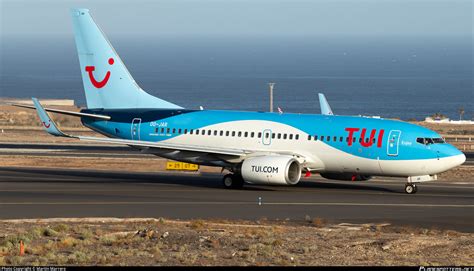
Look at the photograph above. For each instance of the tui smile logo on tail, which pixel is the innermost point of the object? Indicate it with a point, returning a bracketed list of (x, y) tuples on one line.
[(47, 125), (99, 84)]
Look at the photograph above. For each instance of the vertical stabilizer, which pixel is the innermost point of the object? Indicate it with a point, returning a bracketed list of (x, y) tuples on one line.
[(323, 103), (107, 82)]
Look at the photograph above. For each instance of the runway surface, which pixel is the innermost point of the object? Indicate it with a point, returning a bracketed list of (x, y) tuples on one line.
[(41, 193)]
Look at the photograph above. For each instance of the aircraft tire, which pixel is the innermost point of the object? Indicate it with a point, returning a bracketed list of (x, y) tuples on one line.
[(410, 188), (232, 181)]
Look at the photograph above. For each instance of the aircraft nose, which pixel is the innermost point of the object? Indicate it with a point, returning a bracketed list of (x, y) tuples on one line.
[(460, 159), (454, 158), (457, 158)]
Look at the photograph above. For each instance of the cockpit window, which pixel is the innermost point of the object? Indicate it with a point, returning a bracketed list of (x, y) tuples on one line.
[(438, 140), (428, 140)]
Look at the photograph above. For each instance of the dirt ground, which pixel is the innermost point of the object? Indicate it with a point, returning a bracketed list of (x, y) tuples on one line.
[(103, 241)]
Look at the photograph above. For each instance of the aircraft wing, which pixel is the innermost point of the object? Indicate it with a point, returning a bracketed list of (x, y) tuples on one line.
[(170, 146), (51, 128), (325, 108)]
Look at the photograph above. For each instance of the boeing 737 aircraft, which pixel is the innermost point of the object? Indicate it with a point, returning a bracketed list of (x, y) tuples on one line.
[(256, 147)]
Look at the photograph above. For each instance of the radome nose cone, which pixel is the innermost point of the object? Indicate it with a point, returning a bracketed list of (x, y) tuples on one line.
[(461, 159)]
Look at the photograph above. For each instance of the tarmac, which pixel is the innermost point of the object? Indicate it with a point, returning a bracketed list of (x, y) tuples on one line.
[(49, 193)]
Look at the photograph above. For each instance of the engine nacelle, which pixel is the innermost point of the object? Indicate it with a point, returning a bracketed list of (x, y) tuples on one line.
[(345, 176), (277, 170)]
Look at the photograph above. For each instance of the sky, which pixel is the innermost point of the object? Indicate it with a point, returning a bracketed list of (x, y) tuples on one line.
[(184, 18)]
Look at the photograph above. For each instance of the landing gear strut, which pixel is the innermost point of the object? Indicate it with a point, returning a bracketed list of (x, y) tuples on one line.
[(410, 188), (232, 181)]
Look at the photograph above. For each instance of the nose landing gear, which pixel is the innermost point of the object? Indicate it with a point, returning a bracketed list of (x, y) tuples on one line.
[(410, 188)]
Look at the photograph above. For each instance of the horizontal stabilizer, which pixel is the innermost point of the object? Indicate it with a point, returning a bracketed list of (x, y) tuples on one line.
[(323, 103), (65, 112)]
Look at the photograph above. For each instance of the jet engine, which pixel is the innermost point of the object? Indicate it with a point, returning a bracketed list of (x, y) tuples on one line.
[(276, 170), (345, 176)]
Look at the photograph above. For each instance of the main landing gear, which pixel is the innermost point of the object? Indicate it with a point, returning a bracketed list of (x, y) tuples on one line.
[(410, 188), (232, 181)]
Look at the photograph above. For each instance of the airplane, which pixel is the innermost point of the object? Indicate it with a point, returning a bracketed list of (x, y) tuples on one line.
[(255, 147)]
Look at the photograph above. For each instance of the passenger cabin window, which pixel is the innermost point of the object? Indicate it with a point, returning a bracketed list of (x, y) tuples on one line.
[(309, 137), (328, 138), (233, 133), (284, 136), (174, 130), (279, 135), (334, 138), (185, 131), (297, 137), (315, 138), (221, 133), (273, 135), (259, 135), (252, 134), (290, 137)]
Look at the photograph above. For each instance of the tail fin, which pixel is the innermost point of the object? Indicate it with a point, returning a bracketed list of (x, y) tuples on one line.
[(325, 108), (107, 82)]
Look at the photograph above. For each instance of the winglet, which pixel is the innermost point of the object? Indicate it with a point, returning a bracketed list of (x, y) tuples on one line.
[(48, 124), (323, 103)]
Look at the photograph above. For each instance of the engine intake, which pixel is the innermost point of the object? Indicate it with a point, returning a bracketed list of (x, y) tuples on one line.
[(277, 170)]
